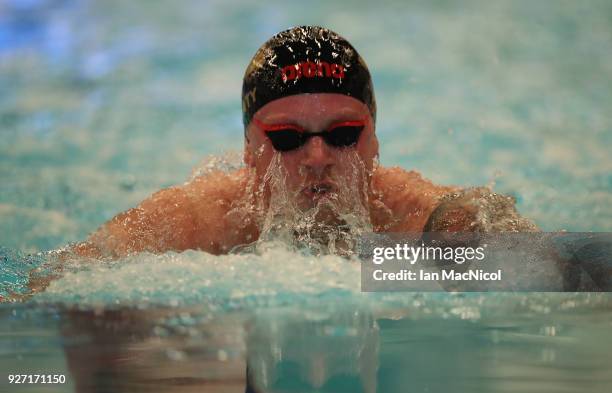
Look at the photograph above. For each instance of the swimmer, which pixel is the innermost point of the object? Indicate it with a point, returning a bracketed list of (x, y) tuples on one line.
[(310, 150)]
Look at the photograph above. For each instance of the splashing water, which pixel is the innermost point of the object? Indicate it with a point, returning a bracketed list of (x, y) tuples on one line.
[(329, 224)]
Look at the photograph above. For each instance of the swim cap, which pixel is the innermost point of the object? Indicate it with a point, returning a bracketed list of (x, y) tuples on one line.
[(305, 59)]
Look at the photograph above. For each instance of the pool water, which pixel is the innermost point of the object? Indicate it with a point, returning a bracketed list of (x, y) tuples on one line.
[(334, 343), (102, 103)]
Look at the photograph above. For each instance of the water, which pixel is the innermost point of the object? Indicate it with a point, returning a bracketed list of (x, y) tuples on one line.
[(102, 103), (416, 342)]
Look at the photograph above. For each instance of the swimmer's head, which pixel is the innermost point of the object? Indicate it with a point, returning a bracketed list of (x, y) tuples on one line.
[(309, 115), (302, 60)]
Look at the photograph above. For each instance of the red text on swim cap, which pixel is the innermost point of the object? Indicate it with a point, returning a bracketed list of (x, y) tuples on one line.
[(310, 69)]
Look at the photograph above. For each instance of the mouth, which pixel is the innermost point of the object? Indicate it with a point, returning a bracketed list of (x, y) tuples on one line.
[(318, 190)]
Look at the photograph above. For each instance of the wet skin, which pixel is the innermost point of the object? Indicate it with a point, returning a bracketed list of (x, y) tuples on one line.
[(214, 212), (312, 167)]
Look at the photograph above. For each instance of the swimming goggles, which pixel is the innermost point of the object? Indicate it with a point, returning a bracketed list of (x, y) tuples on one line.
[(287, 137)]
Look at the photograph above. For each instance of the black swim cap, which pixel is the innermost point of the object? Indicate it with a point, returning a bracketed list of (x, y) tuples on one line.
[(305, 59)]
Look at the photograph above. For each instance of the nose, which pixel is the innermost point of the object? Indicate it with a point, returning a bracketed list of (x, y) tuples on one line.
[(318, 156)]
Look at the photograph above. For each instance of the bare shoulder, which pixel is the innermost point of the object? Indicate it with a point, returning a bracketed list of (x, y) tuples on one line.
[(189, 216), (404, 201), (160, 222), (407, 197), (396, 178), (219, 185), (219, 205)]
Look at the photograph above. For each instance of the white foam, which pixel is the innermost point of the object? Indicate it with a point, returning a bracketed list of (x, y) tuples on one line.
[(270, 275)]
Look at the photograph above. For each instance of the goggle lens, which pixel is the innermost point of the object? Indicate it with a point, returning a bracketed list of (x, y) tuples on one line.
[(287, 138)]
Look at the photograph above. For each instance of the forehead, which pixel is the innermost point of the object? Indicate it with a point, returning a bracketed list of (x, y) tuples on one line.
[(318, 107)]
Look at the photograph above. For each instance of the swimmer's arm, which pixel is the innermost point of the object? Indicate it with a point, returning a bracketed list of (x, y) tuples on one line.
[(163, 222), (416, 204), (481, 210), (191, 216), (477, 209)]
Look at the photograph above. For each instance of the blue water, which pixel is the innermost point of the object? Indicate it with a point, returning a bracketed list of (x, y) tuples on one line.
[(102, 103)]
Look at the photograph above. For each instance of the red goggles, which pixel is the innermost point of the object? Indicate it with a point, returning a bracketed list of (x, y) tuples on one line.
[(287, 137)]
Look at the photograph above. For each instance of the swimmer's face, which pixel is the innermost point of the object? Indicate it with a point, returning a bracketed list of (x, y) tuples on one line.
[(315, 169)]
